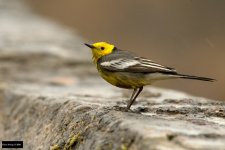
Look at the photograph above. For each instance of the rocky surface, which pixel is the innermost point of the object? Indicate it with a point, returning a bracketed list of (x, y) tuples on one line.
[(52, 98)]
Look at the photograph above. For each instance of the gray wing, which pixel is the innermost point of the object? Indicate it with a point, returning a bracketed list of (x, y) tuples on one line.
[(123, 61)]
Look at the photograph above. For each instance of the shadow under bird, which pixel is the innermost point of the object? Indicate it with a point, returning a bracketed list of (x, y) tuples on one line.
[(126, 70)]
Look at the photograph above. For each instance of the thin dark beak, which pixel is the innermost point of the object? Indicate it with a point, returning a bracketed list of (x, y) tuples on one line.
[(88, 45)]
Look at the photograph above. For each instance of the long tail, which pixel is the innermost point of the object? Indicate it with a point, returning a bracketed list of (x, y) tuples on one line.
[(195, 77)]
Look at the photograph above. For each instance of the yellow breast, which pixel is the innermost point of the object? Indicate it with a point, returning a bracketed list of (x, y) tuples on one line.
[(123, 79)]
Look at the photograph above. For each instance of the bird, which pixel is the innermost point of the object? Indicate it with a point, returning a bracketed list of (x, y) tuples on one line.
[(125, 69)]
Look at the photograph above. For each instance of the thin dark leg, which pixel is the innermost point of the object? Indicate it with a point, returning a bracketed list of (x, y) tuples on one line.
[(134, 96), (131, 98)]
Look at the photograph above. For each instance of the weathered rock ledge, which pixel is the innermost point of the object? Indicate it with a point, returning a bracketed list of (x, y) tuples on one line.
[(51, 97)]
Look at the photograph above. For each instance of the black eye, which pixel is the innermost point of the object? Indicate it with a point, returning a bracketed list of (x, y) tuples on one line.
[(102, 48)]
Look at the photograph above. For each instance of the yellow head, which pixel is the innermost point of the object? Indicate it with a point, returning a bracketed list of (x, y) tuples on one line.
[(100, 49)]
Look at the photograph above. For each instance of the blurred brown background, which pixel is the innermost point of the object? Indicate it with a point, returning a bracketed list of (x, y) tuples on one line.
[(187, 35)]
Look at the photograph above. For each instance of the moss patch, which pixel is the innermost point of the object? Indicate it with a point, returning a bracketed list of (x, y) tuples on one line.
[(54, 147), (71, 141), (124, 147)]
